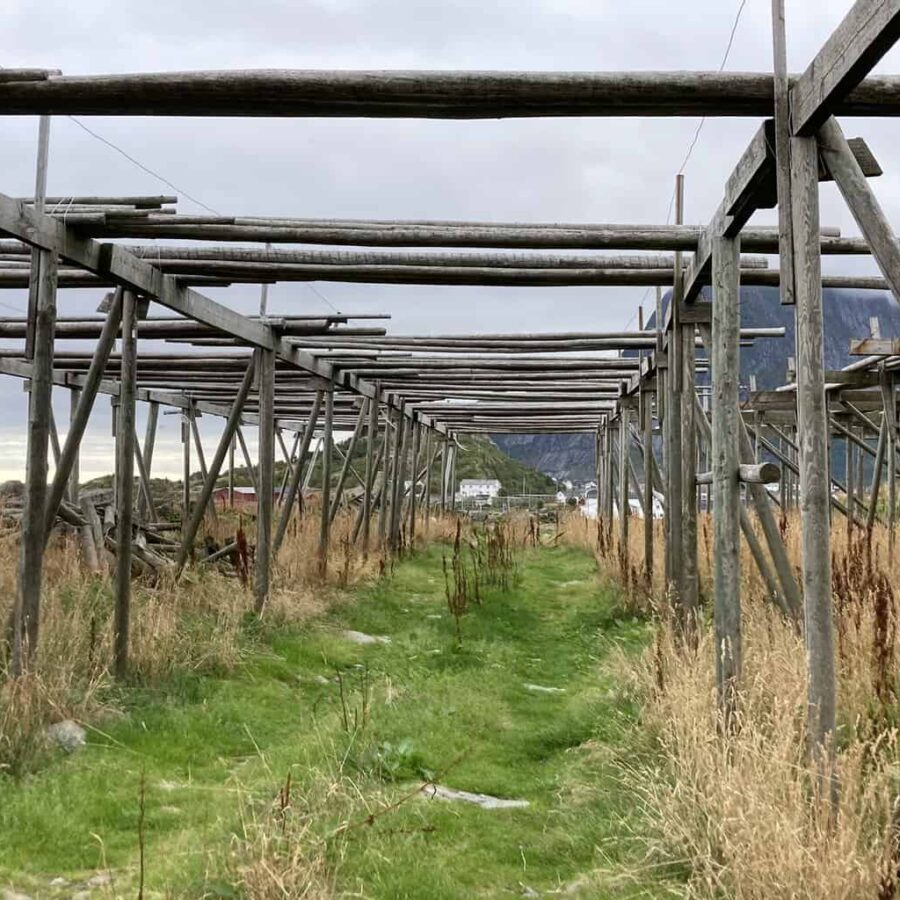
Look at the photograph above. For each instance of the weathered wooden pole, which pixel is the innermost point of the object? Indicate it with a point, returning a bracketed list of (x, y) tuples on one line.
[(813, 440), (399, 478), (725, 359), (351, 446), (226, 442), (369, 474), (125, 447), (429, 462), (327, 449), (452, 483), (443, 488), (647, 424), (674, 462), (78, 424), (186, 465), (414, 479), (75, 475), (26, 612), (149, 447), (624, 509), (265, 490), (293, 489)]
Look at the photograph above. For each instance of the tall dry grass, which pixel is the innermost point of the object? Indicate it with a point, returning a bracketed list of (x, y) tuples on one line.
[(740, 813), (197, 623)]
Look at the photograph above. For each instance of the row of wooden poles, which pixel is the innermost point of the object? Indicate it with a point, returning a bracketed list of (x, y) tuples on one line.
[(782, 165)]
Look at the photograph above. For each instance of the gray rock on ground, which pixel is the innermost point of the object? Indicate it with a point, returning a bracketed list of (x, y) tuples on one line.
[(68, 735), (485, 801)]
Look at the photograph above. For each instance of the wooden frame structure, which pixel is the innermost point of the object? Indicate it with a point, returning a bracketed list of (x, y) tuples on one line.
[(409, 397)]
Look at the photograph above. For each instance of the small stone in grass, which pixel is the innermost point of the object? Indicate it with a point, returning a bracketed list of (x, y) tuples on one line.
[(359, 637), (68, 735), (485, 801), (543, 689)]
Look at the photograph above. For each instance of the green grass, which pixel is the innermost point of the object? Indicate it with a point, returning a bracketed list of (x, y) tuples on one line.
[(435, 707)]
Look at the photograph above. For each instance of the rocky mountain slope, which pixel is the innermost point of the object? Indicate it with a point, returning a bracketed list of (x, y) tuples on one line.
[(847, 314)]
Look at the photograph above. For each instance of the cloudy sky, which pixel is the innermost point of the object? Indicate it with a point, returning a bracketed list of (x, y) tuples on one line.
[(602, 170)]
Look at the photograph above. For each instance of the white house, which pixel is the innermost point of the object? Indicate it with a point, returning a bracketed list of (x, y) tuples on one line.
[(478, 488)]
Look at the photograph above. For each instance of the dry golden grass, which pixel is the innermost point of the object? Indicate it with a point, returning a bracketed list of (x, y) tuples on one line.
[(195, 623), (740, 813)]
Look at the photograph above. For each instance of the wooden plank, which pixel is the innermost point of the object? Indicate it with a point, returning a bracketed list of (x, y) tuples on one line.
[(866, 33), (781, 128), (125, 447)]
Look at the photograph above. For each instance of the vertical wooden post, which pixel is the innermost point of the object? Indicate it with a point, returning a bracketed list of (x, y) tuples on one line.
[(294, 488), (453, 452), (414, 479), (369, 475), (186, 465), (443, 495), (42, 323), (327, 450), (399, 479), (231, 450), (149, 446), (647, 423), (624, 508), (265, 488), (351, 446), (725, 359), (783, 156), (812, 435), (225, 442), (429, 462), (674, 469), (75, 474), (125, 447)]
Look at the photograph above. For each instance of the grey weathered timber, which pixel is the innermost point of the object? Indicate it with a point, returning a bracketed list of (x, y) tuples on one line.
[(186, 465), (149, 447), (413, 488), (226, 442), (875, 488), (725, 356), (73, 489), (248, 462), (622, 501), (125, 449), (647, 449), (88, 393), (201, 457), (861, 201), (862, 38), (291, 496), (342, 476), (456, 95), (748, 473), (369, 475), (39, 348), (782, 128), (325, 518), (265, 492), (813, 435)]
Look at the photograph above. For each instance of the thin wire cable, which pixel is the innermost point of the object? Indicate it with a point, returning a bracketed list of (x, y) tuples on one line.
[(141, 166), (321, 296)]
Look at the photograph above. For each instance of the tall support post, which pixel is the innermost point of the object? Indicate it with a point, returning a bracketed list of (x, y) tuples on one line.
[(414, 479), (42, 323), (225, 443), (674, 468), (351, 446), (69, 453), (690, 588), (725, 359), (452, 482), (186, 465), (399, 479), (624, 509), (75, 474), (293, 488), (125, 447), (149, 446), (647, 424), (429, 462), (443, 495), (608, 493), (369, 475), (265, 489), (813, 440), (327, 450), (231, 449), (890, 412), (387, 468)]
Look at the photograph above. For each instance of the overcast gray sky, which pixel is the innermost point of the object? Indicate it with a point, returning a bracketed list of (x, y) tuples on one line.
[(602, 170)]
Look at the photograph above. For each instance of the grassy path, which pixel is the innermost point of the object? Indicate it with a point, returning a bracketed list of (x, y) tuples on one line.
[(208, 748)]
